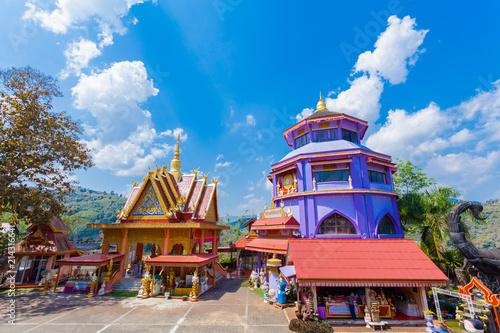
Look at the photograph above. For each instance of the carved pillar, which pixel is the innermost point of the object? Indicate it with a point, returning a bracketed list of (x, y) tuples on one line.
[(167, 239), (202, 241), (123, 250), (215, 242)]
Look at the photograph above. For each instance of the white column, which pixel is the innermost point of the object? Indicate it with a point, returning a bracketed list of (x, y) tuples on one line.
[(423, 300)]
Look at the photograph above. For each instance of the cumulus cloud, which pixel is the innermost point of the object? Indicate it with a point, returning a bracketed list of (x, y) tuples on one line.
[(304, 114), (77, 14), (78, 54), (123, 137), (402, 133), (361, 100), (219, 156), (396, 49)]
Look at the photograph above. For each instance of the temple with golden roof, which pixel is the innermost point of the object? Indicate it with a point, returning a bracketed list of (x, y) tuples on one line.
[(176, 213)]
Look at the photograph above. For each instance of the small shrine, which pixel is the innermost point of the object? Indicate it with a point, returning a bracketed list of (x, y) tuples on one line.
[(486, 304), (37, 254)]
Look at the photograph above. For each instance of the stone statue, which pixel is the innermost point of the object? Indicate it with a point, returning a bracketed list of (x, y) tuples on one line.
[(262, 277), (306, 312), (486, 261)]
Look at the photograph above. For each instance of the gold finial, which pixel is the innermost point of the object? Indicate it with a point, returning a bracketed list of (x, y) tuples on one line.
[(321, 104), (195, 172), (205, 176), (215, 180), (175, 165), (134, 183)]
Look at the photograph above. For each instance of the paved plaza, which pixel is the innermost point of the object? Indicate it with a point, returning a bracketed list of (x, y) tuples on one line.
[(226, 308)]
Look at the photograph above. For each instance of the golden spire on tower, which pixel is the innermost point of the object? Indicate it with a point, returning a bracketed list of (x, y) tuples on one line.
[(321, 104), (175, 165)]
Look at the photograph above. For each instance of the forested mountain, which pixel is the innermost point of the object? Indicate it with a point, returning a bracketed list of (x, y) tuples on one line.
[(89, 206), (487, 235)]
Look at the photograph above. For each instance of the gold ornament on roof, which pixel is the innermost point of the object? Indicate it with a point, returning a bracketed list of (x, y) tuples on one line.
[(215, 180), (321, 104), (205, 176), (195, 172), (175, 164)]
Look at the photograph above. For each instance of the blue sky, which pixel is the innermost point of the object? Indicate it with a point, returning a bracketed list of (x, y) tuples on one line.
[(230, 75)]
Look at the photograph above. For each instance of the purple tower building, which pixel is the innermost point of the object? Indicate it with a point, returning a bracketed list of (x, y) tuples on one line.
[(334, 186)]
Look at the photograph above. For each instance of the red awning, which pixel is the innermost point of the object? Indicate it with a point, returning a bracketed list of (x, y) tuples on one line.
[(268, 244), (90, 260), (179, 260), (287, 222), (363, 262)]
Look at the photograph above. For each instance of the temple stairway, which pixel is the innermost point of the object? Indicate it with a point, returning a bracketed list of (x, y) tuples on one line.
[(128, 285)]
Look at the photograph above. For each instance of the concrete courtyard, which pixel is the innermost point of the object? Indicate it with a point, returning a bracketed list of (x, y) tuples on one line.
[(226, 308)]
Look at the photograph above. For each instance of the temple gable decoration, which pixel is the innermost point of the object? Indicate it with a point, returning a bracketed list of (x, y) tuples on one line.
[(149, 204)]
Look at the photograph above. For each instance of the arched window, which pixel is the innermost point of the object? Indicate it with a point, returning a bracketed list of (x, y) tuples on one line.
[(336, 224), (386, 227)]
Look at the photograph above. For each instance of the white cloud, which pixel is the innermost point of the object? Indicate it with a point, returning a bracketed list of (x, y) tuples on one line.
[(360, 100), (222, 165), (123, 137), (219, 156), (81, 15), (249, 196), (71, 13), (78, 54), (396, 49), (304, 114), (114, 97), (460, 168), (178, 132), (404, 133), (250, 119)]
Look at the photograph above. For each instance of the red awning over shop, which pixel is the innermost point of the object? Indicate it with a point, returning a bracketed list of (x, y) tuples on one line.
[(187, 260), (268, 244), (287, 222), (90, 260), (362, 262)]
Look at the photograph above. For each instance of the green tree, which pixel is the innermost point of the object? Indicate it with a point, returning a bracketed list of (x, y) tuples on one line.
[(39, 148), (410, 179), (433, 230)]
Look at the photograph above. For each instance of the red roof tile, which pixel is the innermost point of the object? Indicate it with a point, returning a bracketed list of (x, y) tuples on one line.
[(196, 259), (185, 184), (276, 223), (204, 201), (268, 244), (240, 243), (90, 260), (362, 260), (193, 198)]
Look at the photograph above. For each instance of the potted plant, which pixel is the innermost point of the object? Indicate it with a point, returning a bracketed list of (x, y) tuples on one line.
[(429, 315)]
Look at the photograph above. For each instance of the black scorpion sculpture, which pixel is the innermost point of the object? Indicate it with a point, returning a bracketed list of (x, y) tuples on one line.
[(486, 261)]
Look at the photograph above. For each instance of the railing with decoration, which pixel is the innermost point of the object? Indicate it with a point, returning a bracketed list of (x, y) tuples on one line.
[(221, 270)]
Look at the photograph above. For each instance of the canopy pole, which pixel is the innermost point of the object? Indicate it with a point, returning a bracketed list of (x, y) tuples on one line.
[(57, 278)]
